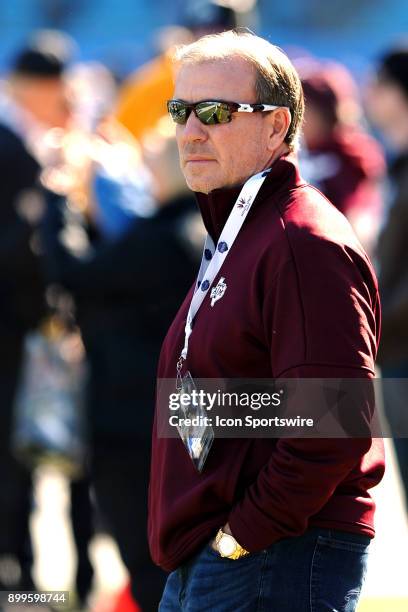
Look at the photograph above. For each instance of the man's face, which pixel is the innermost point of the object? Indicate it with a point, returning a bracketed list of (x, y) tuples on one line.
[(221, 155)]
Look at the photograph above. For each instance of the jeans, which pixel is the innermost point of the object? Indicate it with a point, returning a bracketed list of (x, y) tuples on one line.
[(320, 571)]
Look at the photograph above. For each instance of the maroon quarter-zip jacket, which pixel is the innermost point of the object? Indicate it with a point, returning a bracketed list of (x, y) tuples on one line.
[(301, 301)]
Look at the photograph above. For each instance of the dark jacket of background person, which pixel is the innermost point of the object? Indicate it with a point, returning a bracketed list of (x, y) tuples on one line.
[(386, 98), (21, 288), (393, 349), (126, 292), (301, 302), (21, 308), (21, 285), (392, 257)]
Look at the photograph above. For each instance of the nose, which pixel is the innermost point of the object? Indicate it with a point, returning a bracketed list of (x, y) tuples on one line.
[(193, 130)]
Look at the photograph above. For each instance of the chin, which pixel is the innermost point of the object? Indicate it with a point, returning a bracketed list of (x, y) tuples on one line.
[(199, 185)]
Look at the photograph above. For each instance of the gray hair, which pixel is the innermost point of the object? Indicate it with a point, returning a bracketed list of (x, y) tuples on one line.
[(276, 82)]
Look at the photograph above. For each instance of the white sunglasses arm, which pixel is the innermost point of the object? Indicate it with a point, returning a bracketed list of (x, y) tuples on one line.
[(248, 108)]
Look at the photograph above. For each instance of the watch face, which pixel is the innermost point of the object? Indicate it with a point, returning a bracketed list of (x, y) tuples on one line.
[(227, 545)]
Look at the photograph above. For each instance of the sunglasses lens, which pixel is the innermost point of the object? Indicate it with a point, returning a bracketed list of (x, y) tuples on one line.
[(210, 113), (178, 111)]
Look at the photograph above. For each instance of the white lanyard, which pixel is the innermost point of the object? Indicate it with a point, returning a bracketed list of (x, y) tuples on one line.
[(214, 256)]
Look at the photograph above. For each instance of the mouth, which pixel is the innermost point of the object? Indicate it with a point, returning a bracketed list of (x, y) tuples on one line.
[(198, 160)]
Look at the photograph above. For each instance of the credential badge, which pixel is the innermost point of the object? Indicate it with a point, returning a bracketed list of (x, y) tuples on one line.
[(218, 292)]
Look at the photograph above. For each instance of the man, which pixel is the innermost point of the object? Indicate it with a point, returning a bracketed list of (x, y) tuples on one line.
[(272, 524), (387, 105), (33, 102)]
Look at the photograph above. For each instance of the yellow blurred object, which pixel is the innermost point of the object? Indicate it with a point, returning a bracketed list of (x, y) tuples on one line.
[(380, 604), (142, 101)]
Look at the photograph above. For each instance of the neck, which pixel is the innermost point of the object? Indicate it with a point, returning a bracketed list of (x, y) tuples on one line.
[(216, 206), (283, 149)]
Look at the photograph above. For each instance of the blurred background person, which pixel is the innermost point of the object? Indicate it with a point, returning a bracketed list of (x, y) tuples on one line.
[(387, 106), (34, 103), (116, 278), (339, 156), (142, 99), (32, 100)]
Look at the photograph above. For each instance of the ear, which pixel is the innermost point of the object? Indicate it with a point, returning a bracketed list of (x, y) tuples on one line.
[(278, 124)]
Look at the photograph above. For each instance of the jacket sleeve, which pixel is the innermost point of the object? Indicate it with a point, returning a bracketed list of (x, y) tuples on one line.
[(296, 483), (320, 320)]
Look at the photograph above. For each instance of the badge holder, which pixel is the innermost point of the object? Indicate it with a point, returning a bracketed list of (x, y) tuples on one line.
[(196, 438)]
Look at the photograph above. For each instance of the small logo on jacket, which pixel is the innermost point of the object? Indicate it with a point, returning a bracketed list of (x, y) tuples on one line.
[(218, 291)]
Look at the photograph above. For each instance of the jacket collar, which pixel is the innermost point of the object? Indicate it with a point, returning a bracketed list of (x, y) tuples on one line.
[(216, 206)]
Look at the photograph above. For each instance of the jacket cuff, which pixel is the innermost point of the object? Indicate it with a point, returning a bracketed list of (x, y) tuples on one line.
[(247, 535)]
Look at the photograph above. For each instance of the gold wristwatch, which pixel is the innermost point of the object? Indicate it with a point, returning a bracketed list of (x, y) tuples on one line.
[(227, 546)]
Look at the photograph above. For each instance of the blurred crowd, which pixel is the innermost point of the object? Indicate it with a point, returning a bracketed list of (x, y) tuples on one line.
[(100, 240)]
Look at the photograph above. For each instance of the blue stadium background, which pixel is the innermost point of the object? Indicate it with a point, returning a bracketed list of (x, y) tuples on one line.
[(120, 32)]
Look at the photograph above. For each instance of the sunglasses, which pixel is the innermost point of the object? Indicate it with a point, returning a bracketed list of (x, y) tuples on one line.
[(211, 112)]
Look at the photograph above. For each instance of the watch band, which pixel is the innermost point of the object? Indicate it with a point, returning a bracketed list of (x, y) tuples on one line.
[(238, 552)]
